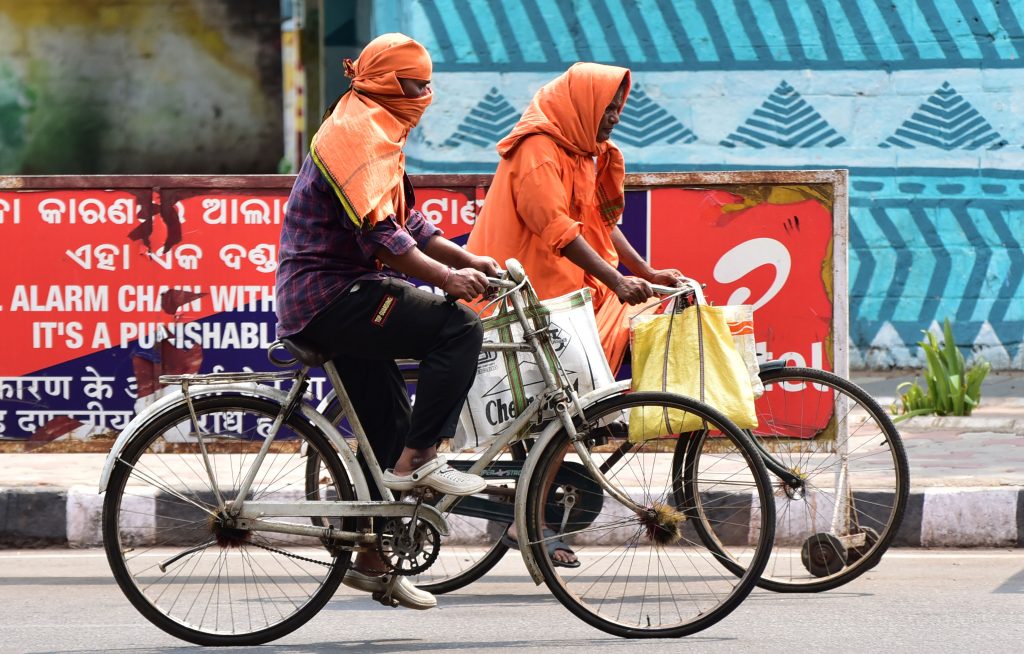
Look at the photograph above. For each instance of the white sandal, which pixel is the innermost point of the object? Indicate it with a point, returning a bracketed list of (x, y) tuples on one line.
[(404, 592), (440, 476)]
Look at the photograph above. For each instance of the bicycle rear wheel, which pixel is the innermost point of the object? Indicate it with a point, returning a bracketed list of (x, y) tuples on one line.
[(644, 573), (473, 545), (175, 554), (842, 515)]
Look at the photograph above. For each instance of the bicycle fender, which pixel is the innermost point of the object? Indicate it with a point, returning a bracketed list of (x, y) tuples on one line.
[(525, 478), (174, 400), (331, 396)]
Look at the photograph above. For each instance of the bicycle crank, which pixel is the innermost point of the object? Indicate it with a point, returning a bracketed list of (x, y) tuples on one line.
[(408, 546)]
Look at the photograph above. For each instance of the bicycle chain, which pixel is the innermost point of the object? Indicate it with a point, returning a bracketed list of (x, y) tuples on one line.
[(290, 555)]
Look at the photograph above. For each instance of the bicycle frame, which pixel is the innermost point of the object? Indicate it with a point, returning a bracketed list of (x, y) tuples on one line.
[(251, 515)]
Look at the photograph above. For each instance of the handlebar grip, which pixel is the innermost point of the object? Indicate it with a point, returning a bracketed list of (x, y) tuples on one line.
[(664, 290), (669, 290), (500, 282)]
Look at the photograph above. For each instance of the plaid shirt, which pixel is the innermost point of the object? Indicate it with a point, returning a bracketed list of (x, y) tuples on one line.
[(323, 253)]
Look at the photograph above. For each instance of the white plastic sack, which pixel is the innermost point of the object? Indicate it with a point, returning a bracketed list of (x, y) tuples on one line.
[(502, 388), (741, 324)]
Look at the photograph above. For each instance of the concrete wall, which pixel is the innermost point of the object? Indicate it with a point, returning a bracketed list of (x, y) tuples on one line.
[(140, 86), (920, 99)]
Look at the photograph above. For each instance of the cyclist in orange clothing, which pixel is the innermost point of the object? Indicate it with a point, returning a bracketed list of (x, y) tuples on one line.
[(555, 209)]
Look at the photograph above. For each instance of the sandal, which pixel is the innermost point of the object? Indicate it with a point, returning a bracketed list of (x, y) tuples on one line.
[(551, 543), (440, 476), (404, 592)]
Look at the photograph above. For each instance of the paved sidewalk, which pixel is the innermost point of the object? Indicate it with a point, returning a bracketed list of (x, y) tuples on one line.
[(967, 478)]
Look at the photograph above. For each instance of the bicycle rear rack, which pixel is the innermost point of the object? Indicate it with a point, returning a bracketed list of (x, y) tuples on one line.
[(213, 378)]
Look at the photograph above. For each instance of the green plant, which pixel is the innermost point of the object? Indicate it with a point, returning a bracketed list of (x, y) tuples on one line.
[(950, 389)]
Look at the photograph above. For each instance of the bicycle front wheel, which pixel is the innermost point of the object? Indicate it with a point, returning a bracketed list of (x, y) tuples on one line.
[(839, 514), (643, 572), (176, 554)]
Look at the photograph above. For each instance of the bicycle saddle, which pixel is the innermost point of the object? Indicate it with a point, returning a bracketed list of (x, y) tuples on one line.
[(304, 352)]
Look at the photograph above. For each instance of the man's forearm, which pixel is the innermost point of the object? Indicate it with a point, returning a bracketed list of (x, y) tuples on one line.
[(580, 253), (443, 250), (629, 257), (415, 264)]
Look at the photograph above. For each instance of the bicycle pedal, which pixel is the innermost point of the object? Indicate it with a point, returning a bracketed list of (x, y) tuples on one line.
[(419, 494), (384, 598)]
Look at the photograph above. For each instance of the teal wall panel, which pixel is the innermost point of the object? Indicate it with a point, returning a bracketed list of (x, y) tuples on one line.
[(920, 99)]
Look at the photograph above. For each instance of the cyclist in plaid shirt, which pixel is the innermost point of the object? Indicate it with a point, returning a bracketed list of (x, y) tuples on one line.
[(349, 242)]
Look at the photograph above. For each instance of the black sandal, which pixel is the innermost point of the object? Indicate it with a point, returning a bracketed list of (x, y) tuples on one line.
[(551, 544)]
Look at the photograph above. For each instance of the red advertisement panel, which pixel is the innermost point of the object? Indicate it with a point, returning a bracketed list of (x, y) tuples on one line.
[(763, 247), (103, 290), (92, 270), (454, 212)]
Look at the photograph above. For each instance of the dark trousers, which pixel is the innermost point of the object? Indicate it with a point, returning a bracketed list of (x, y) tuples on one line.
[(369, 327)]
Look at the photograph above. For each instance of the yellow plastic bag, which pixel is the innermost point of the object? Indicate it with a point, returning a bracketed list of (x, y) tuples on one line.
[(691, 353)]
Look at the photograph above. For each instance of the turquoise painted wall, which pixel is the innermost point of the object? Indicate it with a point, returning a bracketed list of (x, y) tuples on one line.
[(920, 99)]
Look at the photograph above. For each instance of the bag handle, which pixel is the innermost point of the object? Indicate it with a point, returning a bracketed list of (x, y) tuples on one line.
[(699, 300), (670, 300), (696, 287)]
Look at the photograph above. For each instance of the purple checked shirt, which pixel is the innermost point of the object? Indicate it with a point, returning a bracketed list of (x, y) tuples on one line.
[(323, 253)]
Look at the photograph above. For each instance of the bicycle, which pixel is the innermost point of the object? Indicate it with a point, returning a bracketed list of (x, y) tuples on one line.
[(259, 502), (840, 485), (840, 475)]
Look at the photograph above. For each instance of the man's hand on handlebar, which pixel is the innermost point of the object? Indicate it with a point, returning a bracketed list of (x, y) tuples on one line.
[(486, 265), (666, 277), (465, 284), (632, 290)]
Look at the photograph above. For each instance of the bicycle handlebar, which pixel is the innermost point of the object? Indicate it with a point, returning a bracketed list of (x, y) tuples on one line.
[(514, 275), (493, 284), (500, 282), (667, 290)]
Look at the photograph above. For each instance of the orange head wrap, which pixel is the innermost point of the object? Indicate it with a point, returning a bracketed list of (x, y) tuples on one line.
[(359, 147), (569, 110)]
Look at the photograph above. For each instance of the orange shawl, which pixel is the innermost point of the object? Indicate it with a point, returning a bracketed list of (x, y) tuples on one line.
[(359, 147), (569, 110), (546, 192)]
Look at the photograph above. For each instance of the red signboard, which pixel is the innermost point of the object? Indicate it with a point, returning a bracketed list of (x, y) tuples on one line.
[(103, 288), (775, 256)]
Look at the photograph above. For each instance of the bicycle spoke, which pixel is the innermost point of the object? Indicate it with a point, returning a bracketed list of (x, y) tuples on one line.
[(203, 578), (802, 418), (642, 571)]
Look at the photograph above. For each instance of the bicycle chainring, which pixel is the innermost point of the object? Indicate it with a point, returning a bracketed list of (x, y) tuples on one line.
[(408, 551)]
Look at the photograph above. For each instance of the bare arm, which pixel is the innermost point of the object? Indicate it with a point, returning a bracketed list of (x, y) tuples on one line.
[(443, 250), (580, 253), (628, 289), (465, 283), (639, 266), (629, 256)]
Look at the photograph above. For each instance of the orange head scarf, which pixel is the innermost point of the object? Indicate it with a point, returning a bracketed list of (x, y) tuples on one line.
[(569, 110), (359, 147)]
